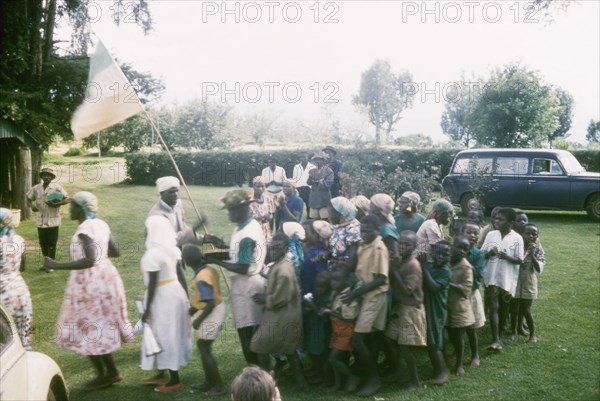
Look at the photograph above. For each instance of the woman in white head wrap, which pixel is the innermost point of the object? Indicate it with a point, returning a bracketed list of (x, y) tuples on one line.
[(409, 217), (363, 204), (166, 304), (94, 304), (382, 206)]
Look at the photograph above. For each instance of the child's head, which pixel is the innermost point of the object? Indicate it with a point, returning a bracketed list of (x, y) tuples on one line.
[(278, 246), (460, 248), (192, 256), (504, 219), (494, 213), (520, 221), (475, 217), (340, 279), (253, 384), (530, 233), (407, 243), (440, 253), (471, 231), (311, 235), (369, 228), (322, 282)]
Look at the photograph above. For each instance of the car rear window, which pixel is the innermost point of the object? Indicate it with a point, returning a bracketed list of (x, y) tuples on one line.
[(467, 165), (511, 165), (546, 167)]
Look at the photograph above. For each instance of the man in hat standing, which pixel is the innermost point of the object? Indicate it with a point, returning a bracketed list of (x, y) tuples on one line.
[(320, 179), (247, 251), (274, 176), (170, 206), (43, 200), (300, 178), (336, 166)]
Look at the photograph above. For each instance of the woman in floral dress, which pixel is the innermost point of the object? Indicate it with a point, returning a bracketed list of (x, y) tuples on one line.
[(343, 243), (93, 318), (14, 293), (263, 207)]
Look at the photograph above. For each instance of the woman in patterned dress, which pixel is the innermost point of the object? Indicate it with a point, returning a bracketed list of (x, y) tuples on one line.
[(343, 243), (263, 207), (14, 293), (93, 318)]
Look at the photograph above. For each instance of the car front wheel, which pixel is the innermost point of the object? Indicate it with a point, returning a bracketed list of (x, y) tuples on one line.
[(593, 207), (470, 202)]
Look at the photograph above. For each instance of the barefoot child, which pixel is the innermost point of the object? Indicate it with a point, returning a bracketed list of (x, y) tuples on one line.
[(206, 299), (372, 271), (532, 266), (407, 326), (460, 311), (343, 317), (436, 280), (317, 328), (281, 328), (477, 260), (503, 250)]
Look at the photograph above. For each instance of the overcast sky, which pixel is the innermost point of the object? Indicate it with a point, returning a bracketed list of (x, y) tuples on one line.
[(297, 59)]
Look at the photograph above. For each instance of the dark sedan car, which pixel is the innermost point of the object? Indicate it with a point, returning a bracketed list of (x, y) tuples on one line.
[(543, 179)]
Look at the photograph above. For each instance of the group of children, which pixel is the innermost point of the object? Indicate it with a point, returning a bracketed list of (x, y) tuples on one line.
[(391, 303)]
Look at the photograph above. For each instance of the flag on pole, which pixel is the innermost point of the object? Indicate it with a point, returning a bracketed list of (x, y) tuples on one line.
[(109, 99)]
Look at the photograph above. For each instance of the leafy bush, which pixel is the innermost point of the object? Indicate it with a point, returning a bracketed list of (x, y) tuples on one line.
[(73, 151), (590, 159)]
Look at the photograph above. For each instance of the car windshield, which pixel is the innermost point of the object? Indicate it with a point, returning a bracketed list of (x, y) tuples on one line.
[(570, 163)]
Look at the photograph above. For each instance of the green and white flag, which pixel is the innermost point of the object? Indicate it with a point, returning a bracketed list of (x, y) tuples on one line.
[(110, 98)]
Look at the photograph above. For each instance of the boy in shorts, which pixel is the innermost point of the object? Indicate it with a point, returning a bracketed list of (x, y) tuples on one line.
[(372, 271), (407, 326), (206, 299)]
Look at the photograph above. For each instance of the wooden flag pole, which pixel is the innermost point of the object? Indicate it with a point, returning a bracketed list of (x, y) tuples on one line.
[(155, 129)]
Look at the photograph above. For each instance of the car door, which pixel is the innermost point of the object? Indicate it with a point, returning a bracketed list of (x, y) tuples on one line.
[(13, 363), (548, 185), (509, 181)]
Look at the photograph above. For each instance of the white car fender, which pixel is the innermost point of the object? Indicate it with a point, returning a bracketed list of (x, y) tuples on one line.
[(40, 371)]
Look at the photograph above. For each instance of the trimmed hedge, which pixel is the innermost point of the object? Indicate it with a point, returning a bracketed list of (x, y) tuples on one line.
[(230, 168), (238, 168)]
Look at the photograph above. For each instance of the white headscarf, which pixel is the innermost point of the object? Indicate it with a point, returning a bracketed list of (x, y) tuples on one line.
[(291, 227), (164, 183)]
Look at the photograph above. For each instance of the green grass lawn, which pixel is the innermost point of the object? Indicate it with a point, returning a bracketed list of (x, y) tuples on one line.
[(564, 365)]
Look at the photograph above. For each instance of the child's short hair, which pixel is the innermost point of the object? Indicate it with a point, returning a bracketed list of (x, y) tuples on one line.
[(370, 220), (508, 213), (440, 244), (495, 211), (531, 225), (192, 256), (469, 225), (253, 384)]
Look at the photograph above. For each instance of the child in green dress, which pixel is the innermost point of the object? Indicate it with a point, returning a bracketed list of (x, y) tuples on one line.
[(436, 281)]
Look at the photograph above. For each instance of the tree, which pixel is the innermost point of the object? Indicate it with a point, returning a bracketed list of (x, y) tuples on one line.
[(415, 141), (565, 116), (454, 117), (39, 87), (383, 93), (593, 132), (514, 110), (203, 125)]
